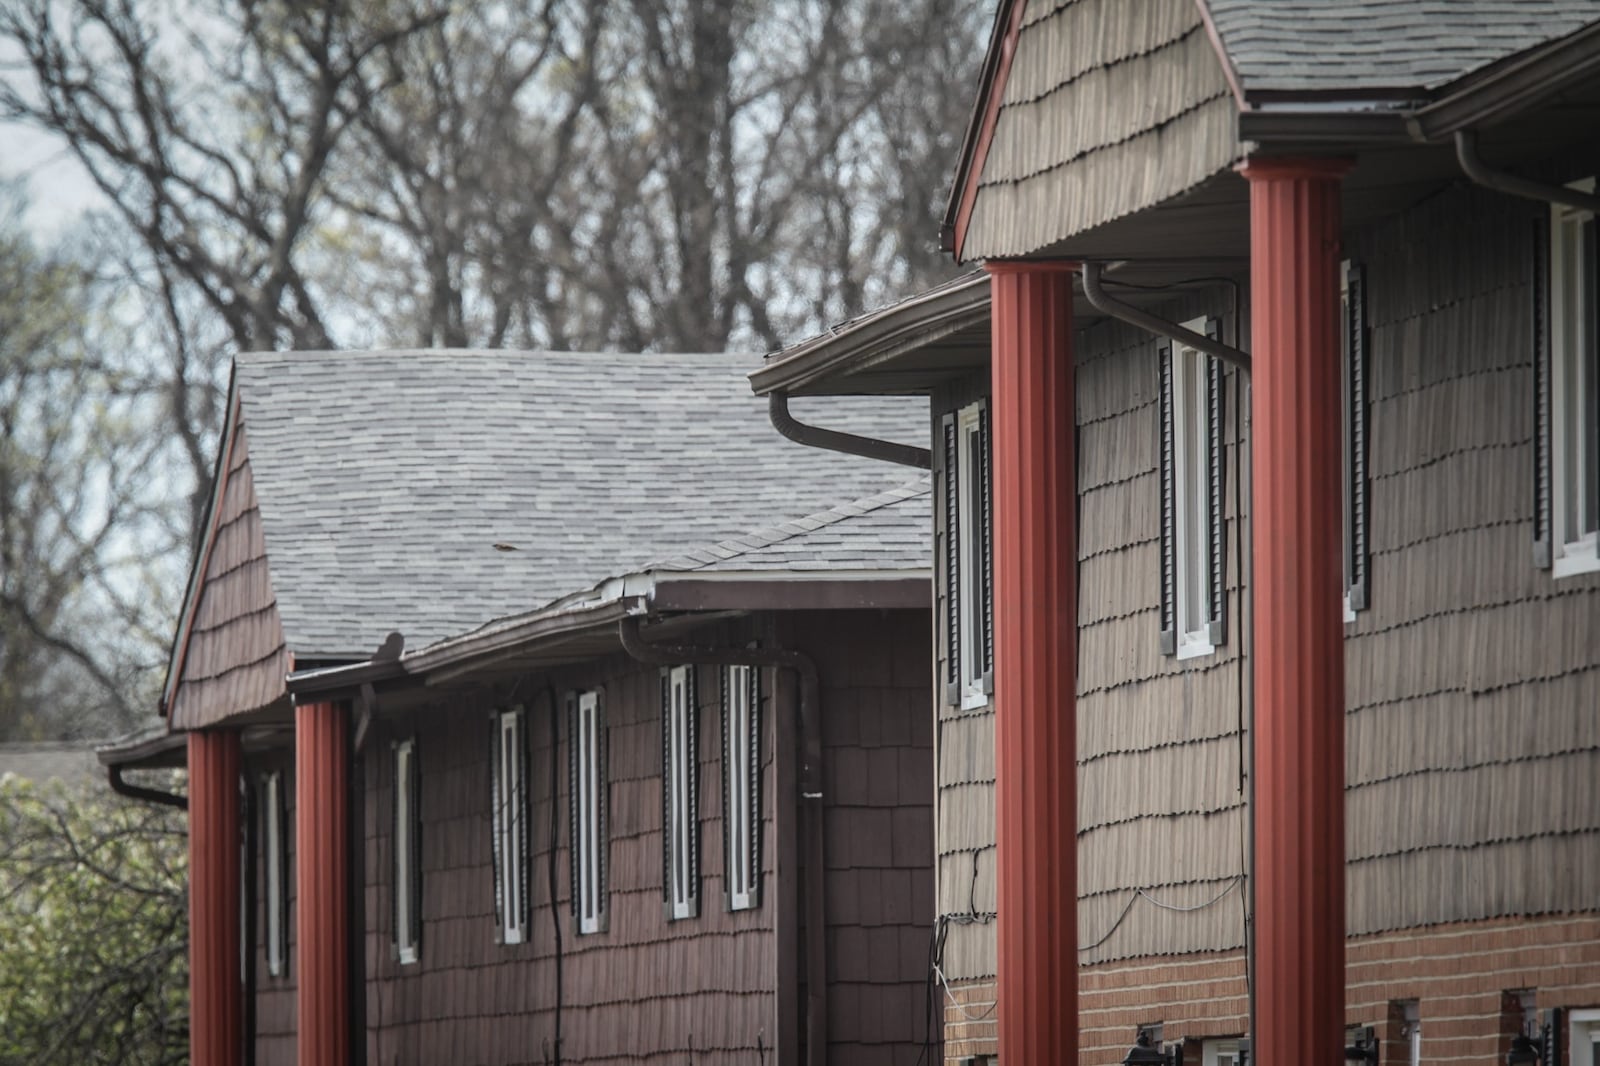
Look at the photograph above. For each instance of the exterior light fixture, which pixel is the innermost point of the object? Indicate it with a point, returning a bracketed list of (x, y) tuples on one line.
[(1525, 1051), (1145, 1052), (1363, 1046)]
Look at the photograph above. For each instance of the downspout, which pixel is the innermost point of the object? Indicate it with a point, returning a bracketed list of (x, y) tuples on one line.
[(146, 795), (1480, 173), (810, 795), (849, 443), (1125, 312)]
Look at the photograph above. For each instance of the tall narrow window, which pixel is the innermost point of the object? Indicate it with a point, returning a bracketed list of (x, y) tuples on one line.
[(969, 581), (1353, 297), (275, 873), (1193, 555), (741, 785), (1568, 394), (510, 824), (407, 854), (1222, 1052), (1584, 1036), (680, 793), (587, 784), (1411, 1011)]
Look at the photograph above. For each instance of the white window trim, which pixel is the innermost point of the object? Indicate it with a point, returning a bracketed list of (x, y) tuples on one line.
[(274, 860), (405, 821), (1191, 526), (743, 771), (1413, 1031), (1569, 327), (511, 802), (1583, 1032), (1218, 1052), (1346, 354), (969, 513), (586, 849), (680, 780)]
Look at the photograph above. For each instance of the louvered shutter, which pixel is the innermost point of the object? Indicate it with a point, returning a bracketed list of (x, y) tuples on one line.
[(952, 559), (986, 533), (525, 819), (691, 753), (753, 783), (1540, 316), (730, 860), (602, 783), (1356, 331), (1217, 492), (1591, 421), (284, 851), (415, 764), (666, 792), (1551, 1022), (1169, 567), (496, 826), (572, 803), (394, 844)]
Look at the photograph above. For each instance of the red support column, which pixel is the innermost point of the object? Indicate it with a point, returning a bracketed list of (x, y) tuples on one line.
[(216, 989), (321, 748), (1035, 652), (1299, 618)]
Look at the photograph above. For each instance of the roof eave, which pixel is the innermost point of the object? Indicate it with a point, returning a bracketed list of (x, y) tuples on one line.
[(755, 590), (878, 338), (980, 125)]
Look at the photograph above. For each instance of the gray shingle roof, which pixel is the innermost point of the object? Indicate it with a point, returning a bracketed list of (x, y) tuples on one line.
[(386, 480), (49, 761), (1382, 44), (889, 530)]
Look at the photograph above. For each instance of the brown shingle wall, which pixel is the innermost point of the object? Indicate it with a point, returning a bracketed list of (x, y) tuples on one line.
[(878, 783), (647, 990), (235, 660), (1474, 749), (275, 1010), (1457, 973)]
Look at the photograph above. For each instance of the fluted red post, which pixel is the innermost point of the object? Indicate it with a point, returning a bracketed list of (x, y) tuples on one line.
[(321, 747), (1035, 669), (216, 988), (1299, 618)]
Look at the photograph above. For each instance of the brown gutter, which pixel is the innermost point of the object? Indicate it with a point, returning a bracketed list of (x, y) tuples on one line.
[(849, 443), (810, 796), (1500, 181), (1506, 88)]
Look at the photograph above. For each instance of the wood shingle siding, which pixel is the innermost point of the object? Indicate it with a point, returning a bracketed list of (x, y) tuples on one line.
[(235, 656), (1474, 746), (1109, 107)]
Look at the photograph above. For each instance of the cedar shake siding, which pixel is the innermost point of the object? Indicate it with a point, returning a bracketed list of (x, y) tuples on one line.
[(235, 655), (1472, 678), (703, 989)]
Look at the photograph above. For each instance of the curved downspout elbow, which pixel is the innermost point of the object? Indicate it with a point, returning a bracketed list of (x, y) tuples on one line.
[(1126, 312), (886, 451), (121, 787), (1480, 173), (810, 782)]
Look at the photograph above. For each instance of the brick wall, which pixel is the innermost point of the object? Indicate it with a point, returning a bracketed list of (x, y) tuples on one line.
[(1458, 974)]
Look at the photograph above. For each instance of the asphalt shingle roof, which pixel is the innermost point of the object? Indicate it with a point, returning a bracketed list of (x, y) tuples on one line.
[(431, 491), (1383, 44), (889, 530)]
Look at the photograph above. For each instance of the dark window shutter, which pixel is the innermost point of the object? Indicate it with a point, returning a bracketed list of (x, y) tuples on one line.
[(952, 560), (1357, 566), (1551, 1022), (754, 785), (1539, 278), (666, 792), (496, 822), (416, 847), (1591, 419), (986, 532), (692, 753), (730, 860), (572, 799), (284, 880), (525, 819), (1217, 491), (394, 845), (1169, 591), (602, 778)]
